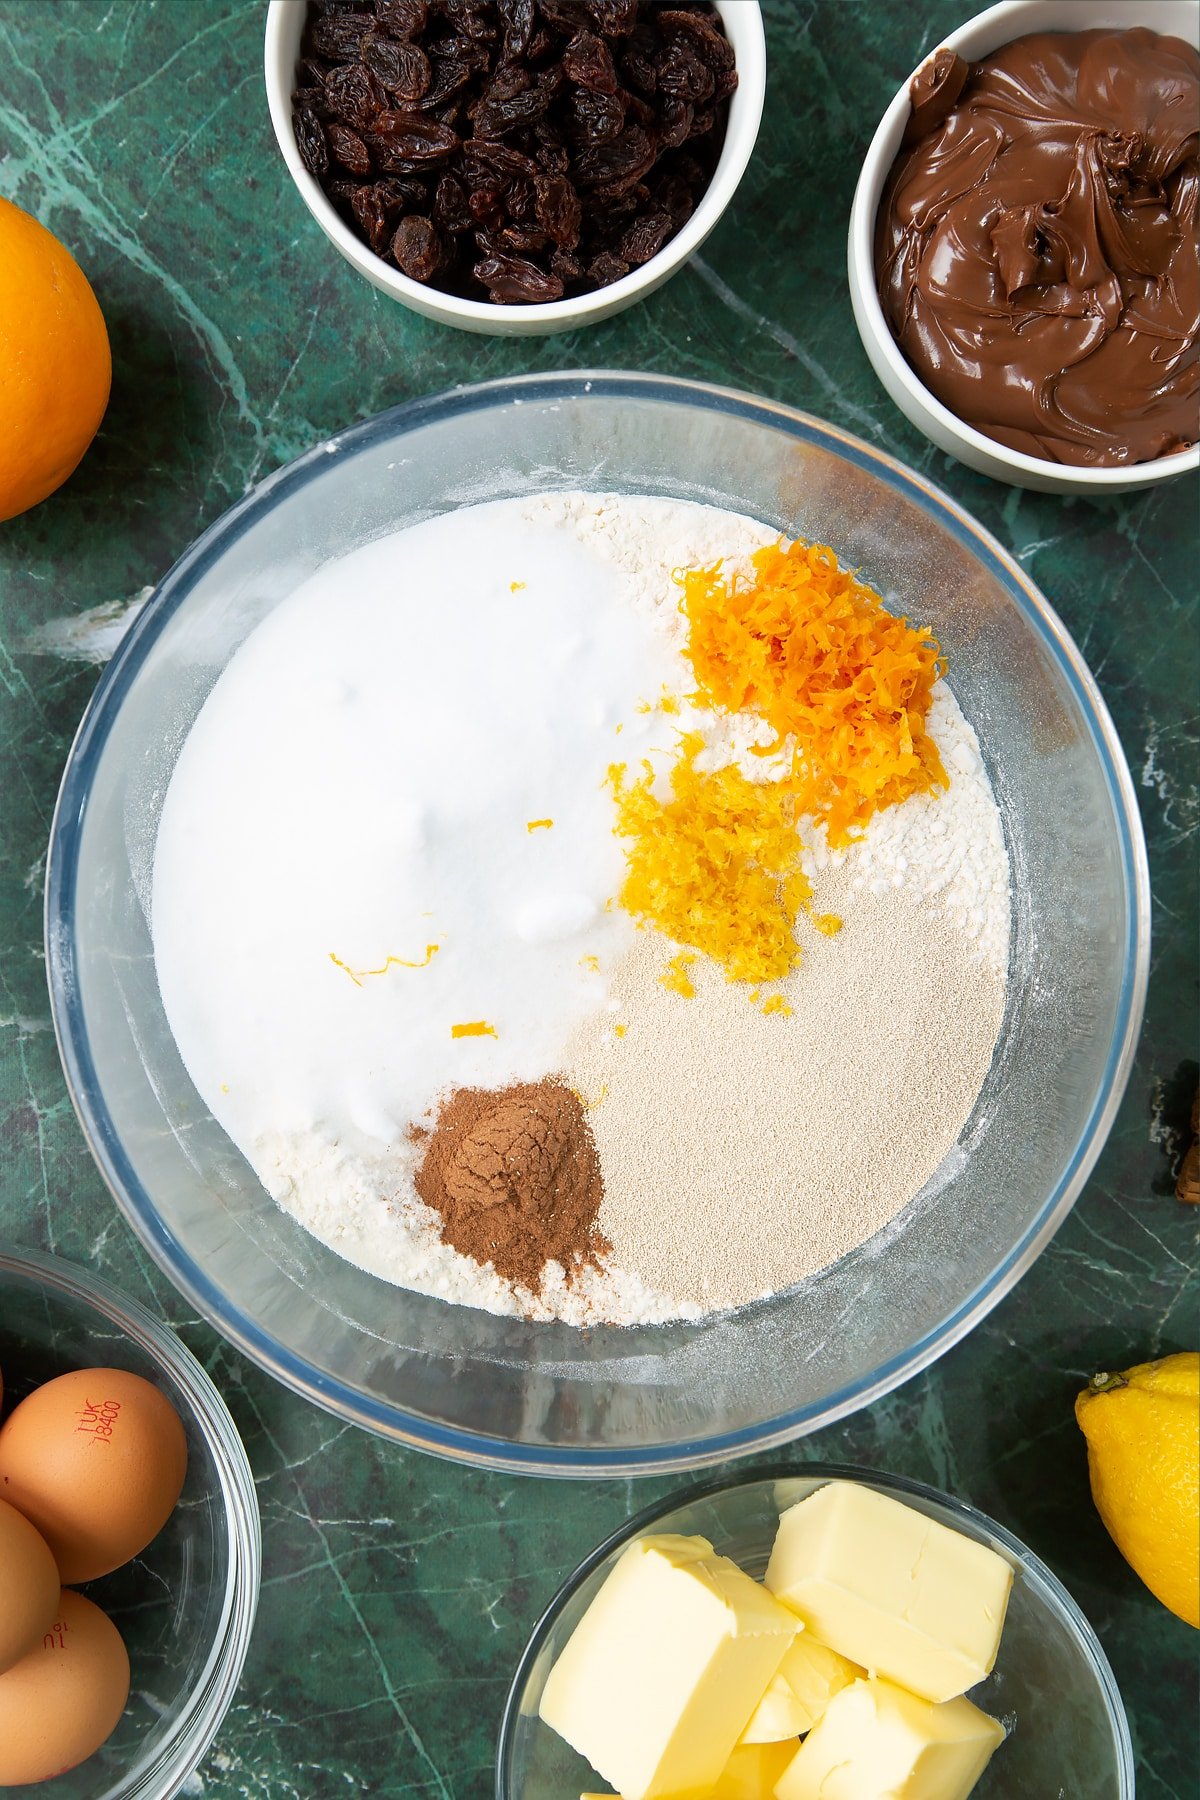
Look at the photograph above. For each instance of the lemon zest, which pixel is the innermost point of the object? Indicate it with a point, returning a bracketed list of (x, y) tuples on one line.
[(715, 866), (474, 1028), (538, 824), (358, 976), (675, 977)]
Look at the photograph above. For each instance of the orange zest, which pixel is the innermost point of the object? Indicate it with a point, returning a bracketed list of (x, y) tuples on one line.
[(845, 686)]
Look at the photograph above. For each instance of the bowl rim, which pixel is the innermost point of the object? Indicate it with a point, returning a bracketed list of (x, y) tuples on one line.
[(745, 117), (260, 1346), (209, 1700), (868, 313), (902, 1487)]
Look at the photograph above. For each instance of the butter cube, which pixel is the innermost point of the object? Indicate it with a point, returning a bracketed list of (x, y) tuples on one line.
[(876, 1742), (890, 1589), (815, 1673), (750, 1773), (658, 1679), (753, 1770), (778, 1715)]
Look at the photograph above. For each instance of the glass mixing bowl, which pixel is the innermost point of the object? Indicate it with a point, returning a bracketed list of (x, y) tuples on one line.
[(543, 1397), (1051, 1686), (186, 1605)]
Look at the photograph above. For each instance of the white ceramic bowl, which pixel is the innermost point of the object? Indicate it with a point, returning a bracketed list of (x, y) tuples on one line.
[(986, 32), (742, 20)]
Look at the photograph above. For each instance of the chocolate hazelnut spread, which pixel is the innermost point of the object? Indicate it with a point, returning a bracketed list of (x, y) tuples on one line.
[(1036, 249)]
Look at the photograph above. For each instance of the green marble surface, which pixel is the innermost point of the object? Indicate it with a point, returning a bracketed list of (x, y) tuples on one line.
[(398, 1590)]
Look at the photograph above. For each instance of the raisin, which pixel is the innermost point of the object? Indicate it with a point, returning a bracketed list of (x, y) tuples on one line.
[(595, 118), (405, 141), (646, 237), (417, 248), (638, 68), (588, 62), (567, 15), (614, 165), (558, 208), (486, 206), (339, 36), (468, 17), (494, 118), (311, 74), (675, 121), (509, 80), (349, 149), (377, 212), (402, 68), (454, 65), (520, 240), (551, 155), (697, 30), (402, 18), (353, 95), (516, 18), (673, 196), (514, 279), (542, 45), (496, 158), (607, 268), (616, 17), (342, 194), (450, 210), (680, 72), (310, 141), (568, 268)]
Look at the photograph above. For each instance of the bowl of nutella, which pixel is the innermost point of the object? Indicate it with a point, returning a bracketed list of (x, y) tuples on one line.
[(1023, 258)]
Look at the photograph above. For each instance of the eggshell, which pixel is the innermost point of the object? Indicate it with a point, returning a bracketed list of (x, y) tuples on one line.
[(96, 1460), (60, 1703), (29, 1586)]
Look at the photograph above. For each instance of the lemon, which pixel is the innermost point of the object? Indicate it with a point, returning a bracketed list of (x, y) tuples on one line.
[(1143, 1436)]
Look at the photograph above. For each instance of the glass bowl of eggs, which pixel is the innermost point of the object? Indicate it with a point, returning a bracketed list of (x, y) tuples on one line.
[(144, 1478), (826, 1630)]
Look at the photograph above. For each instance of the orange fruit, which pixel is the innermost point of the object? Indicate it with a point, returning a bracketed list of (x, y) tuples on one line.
[(55, 364)]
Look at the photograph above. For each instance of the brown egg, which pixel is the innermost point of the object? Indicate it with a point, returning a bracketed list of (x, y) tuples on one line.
[(60, 1703), (29, 1586), (96, 1460)]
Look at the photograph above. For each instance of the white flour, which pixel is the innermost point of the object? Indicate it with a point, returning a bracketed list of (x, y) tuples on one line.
[(361, 784)]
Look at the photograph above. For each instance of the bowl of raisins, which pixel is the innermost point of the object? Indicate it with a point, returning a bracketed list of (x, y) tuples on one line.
[(516, 166)]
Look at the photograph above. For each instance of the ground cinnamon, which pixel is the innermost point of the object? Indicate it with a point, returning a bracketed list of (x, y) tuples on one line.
[(515, 1176)]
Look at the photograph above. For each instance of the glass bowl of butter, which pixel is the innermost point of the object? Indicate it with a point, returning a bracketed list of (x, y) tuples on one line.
[(833, 1633)]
